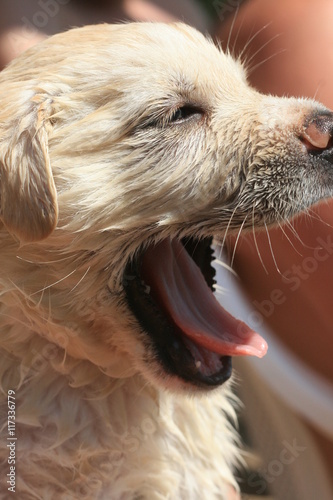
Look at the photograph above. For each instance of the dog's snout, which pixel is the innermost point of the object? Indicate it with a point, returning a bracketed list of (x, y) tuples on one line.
[(317, 136)]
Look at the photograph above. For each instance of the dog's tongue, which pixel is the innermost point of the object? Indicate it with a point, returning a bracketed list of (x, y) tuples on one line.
[(178, 285)]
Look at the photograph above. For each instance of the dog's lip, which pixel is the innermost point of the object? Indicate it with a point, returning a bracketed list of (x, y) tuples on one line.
[(193, 343), (179, 287)]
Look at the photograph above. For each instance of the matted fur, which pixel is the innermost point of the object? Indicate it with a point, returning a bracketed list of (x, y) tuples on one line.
[(92, 169)]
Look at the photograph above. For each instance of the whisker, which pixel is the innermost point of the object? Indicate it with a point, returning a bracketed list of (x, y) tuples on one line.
[(287, 237), (294, 231), (288, 223), (53, 284), (271, 250), (44, 262), (228, 226), (256, 243), (232, 28), (314, 215), (225, 266), (81, 279), (256, 66), (236, 242), (317, 90), (250, 40)]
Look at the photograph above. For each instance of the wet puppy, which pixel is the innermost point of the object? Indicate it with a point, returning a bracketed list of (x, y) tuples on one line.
[(123, 151)]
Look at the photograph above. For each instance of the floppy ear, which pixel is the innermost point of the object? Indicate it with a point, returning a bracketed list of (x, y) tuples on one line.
[(28, 200)]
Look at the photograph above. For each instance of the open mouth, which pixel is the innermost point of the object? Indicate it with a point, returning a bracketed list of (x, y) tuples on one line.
[(169, 289)]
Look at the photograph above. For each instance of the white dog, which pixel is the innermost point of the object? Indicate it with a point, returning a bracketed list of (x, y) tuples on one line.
[(120, 147)]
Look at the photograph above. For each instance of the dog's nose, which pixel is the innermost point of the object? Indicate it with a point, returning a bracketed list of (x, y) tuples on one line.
[(317, 136)]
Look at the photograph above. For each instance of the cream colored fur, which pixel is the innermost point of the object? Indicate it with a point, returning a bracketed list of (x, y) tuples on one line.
[(91, 169)]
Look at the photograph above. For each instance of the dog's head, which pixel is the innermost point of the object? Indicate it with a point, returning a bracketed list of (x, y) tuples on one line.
[(123, 150)]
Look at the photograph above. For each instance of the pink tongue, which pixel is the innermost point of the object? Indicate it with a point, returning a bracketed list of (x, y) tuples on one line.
[(180, 288)]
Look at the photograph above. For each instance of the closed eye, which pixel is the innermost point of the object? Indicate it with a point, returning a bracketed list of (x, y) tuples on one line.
[(185, 113), (177, 116)]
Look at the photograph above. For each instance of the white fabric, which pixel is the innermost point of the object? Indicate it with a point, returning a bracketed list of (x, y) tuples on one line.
[(296, 384), (278, 392), (292, 467)]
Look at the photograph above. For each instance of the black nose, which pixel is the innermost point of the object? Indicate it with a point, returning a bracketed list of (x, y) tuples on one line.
[(317, 136)]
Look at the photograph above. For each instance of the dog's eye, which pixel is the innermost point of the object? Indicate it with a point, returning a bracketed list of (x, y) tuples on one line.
[(184, 113), (179, 115)]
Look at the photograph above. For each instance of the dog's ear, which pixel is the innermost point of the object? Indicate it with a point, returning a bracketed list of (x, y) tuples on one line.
[(28, 199)]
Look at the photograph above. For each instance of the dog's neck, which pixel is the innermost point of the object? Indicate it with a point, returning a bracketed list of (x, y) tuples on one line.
[(138, 420)]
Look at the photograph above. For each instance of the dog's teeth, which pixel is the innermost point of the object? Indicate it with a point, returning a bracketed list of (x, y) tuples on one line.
[(198, 364)]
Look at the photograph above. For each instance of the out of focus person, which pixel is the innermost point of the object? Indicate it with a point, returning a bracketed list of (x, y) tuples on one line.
[(287, 272), (22, 24)]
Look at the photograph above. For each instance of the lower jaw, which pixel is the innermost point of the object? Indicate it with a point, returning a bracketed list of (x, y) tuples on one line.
[(173, 351)]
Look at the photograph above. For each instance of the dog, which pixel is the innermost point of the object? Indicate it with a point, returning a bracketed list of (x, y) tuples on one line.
[(124, 149)]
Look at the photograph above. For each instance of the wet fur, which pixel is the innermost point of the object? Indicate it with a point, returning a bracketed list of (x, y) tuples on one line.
[(92, 168)]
